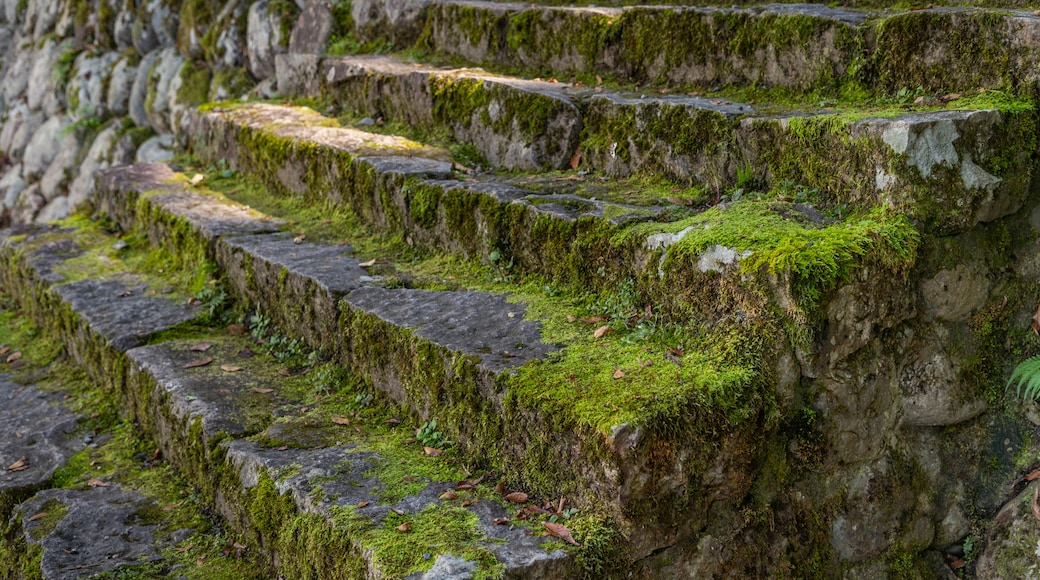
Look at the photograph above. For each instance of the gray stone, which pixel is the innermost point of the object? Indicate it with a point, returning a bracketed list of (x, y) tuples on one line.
[(231, 41), (165, 78), (98, 157), (57, 176), (312, 30), (139, 90), (935, 392), (42, 92), (121, 311), (450, 567), (86, 88), (213, 218), (11, 186), (155, 26), (19, 128), (1014, 540), (155, 150), (34, 429), (264, 36), (40, 16), (399, 21), (30, 202), (102, 530), (123, 27), (56, 209), (43, 147), (118, 189), (16, 74), (298, 73), (476, 323), (955, 294)]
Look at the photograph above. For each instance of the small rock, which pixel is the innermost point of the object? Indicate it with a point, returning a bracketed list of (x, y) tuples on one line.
[(367, 122), (120, 245)]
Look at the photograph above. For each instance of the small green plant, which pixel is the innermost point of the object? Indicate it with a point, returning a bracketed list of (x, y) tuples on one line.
[(502, 269), (1026, 378), (428, 436), (361, 400), (969, 548), (215, 301), (563, 516)]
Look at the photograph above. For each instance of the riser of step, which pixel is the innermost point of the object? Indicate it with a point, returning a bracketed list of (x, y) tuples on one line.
[(800, 47), (200, 416), (903, 162), (444, 355)]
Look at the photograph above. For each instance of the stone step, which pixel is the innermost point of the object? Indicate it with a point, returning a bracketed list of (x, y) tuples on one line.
[(796, 47), (318, 485), (946, 168)]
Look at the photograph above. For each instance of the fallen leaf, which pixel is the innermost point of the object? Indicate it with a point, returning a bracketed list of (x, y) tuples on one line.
[(97, 483), (432, 451), (38, 516), (14, 356), (500, 521), (560, 531), (200, 347), (575, 160), (463, 485), (369, 263), (500, 488), (517, 497), (200, 560), (958, 564), (282, 448), (199, 362), (299, 239), (397, 511), (449, 495), (1036, 508), (571, 318), (172, 506), (20, 465), (230, 368), (407, 441), (618, 373), (155, 454), (602, 331), (592, 319), (197, 179), (1032, 475), (261, 390), (950, 97), (236, 329), (341, 420), (4, 350), (404, 527), (184, 549), (469, 502), (284, 372), (599, 80), (246, 353), (362, 504)]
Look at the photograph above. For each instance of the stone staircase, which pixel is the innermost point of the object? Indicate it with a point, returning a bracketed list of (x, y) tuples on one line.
[(658, 292)]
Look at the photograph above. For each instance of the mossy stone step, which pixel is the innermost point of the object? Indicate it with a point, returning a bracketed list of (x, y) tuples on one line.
[(196, 410), (513, 123), (800, 47)]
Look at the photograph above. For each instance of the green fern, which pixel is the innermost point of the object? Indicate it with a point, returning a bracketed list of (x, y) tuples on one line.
[(1027, 375)]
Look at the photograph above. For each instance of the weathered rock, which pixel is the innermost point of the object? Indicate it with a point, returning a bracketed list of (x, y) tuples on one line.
[(16, 74), (269, 28), (40, 17), (1014, 540), (36, 431), (120, 85), (102, 529), (19, 128), (123, 26), (56, 209), (46, 78), (399, 21), (313, 28), (58, 174), (162, 89), (11, 186), (85, 91), (155, 150), (156, 25), (43, 147), (99, 156), (30, 202), (140, 89)]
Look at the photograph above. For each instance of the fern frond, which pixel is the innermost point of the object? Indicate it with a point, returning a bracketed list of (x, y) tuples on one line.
[(1026, 378)]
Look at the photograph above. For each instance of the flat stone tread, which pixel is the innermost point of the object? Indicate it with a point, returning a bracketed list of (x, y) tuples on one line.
[(236, 403), (101, 531), (215, 217), (476, 323), (121, 311), (332, 267), (36, 431), (839, 13), (308, 125)]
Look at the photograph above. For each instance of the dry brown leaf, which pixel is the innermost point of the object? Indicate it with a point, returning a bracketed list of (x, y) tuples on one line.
[(1035, 324), (958, 564), (464, 485), (1032, 475), (1036, 508), (97, 483), (431, 451), (299, 239), (38, 516), (469, 502), (571, 318), (20, 465), (230, 368), (184, 549), (200, 347), (201, 362), (172, 506), (575, 160), (246, 353), (200, 560), (602, 331), (197, 179), (4, 350), (517, 497), (500, 521), (618, 373), (449, 495), (362, 504), (341, 420), (14, 356), (560, 531), (592, 319), (284, 372), (282, 448), (261, 390), (404, 527), (369, 263), (397, 511), (236, 329)]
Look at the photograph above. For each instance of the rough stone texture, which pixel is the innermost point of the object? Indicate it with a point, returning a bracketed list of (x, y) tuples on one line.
[(120, 84), (57, 177), (139, 90), (121, 311), (36, 429), (515, 124), (399, 21), (98, 157), (311, 33), (42, 93), (11, 186), (18, 130), (1014, 540), (161, 94), (85, 91), (101, 531), (267, 34), (155, 150), (119, 187), (43, 147)]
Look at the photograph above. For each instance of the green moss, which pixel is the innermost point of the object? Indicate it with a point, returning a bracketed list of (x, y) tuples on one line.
[(195, 83), (230, 83)]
